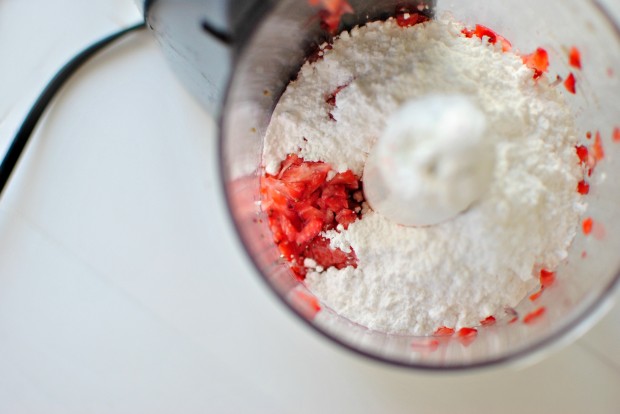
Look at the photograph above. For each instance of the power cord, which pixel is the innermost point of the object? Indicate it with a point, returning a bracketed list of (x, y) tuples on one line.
[(49, 92)]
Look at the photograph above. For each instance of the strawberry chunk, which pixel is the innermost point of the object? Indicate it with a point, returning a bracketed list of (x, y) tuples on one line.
[(467, 335), (569, 83), (406, 18), (483, 31), (547, 278), (537, 61), (346, 217), (332, 13), (616, 135), (582, 153), (488, 321), (325, 256), (444, 331), (574, 57), (309, 231), (583, 187), (347, 178), (586, 226)]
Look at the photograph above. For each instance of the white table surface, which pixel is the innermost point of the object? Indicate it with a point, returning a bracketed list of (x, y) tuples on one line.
[(124, 290)]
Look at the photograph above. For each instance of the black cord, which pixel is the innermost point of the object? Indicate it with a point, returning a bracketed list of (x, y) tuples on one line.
[(51, 89)]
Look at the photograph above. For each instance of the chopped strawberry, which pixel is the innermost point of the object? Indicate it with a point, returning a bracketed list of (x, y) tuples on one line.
[(574, 57), (582, 153), (547, 278), (467, 335), (347, 178), (483, 31), (583, 187), (332, 13), (586, 226), (488, 321), (301, 203), (346, 217), (616, 135), (536, 295), (444, 331), (309, 231), (537, 61), (465, 332), (534, 315), (408, 18), (569, 83), (325, 256)]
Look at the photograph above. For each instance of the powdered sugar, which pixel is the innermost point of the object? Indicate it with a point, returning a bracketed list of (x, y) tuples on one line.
[(413, 280)]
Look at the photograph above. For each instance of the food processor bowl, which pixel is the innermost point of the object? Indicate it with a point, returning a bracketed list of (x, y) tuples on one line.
[(238, 57)]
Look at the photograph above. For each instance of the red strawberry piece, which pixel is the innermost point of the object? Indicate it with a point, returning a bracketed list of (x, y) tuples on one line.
[(325, 256), (582, 153), (574, 57), (466, 332), (332, 13), (291, 159), (488, 321), (547, 278), (468, 32), (586, 226), (583, 187), (309, 231), (289, 230), (482, 31), (407, 18), (616, 135), (346, 178), (537, 61), (536, 295), (534, 315), (346, 217), (444, 331), (466, 335), (569, 83)]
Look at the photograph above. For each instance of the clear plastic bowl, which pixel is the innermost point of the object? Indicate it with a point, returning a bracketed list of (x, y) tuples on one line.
[(272, 53)]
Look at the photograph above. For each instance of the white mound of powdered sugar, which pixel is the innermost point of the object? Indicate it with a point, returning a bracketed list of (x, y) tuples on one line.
[(413, 280)]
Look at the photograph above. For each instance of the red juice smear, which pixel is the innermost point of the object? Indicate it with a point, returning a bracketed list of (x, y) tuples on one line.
[(597, 147), (534, 315)]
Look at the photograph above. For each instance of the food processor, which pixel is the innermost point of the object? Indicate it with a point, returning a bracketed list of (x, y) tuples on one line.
[(238, 56)]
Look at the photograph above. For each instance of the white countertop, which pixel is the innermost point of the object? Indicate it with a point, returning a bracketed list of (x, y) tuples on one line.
[(124, 290)]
